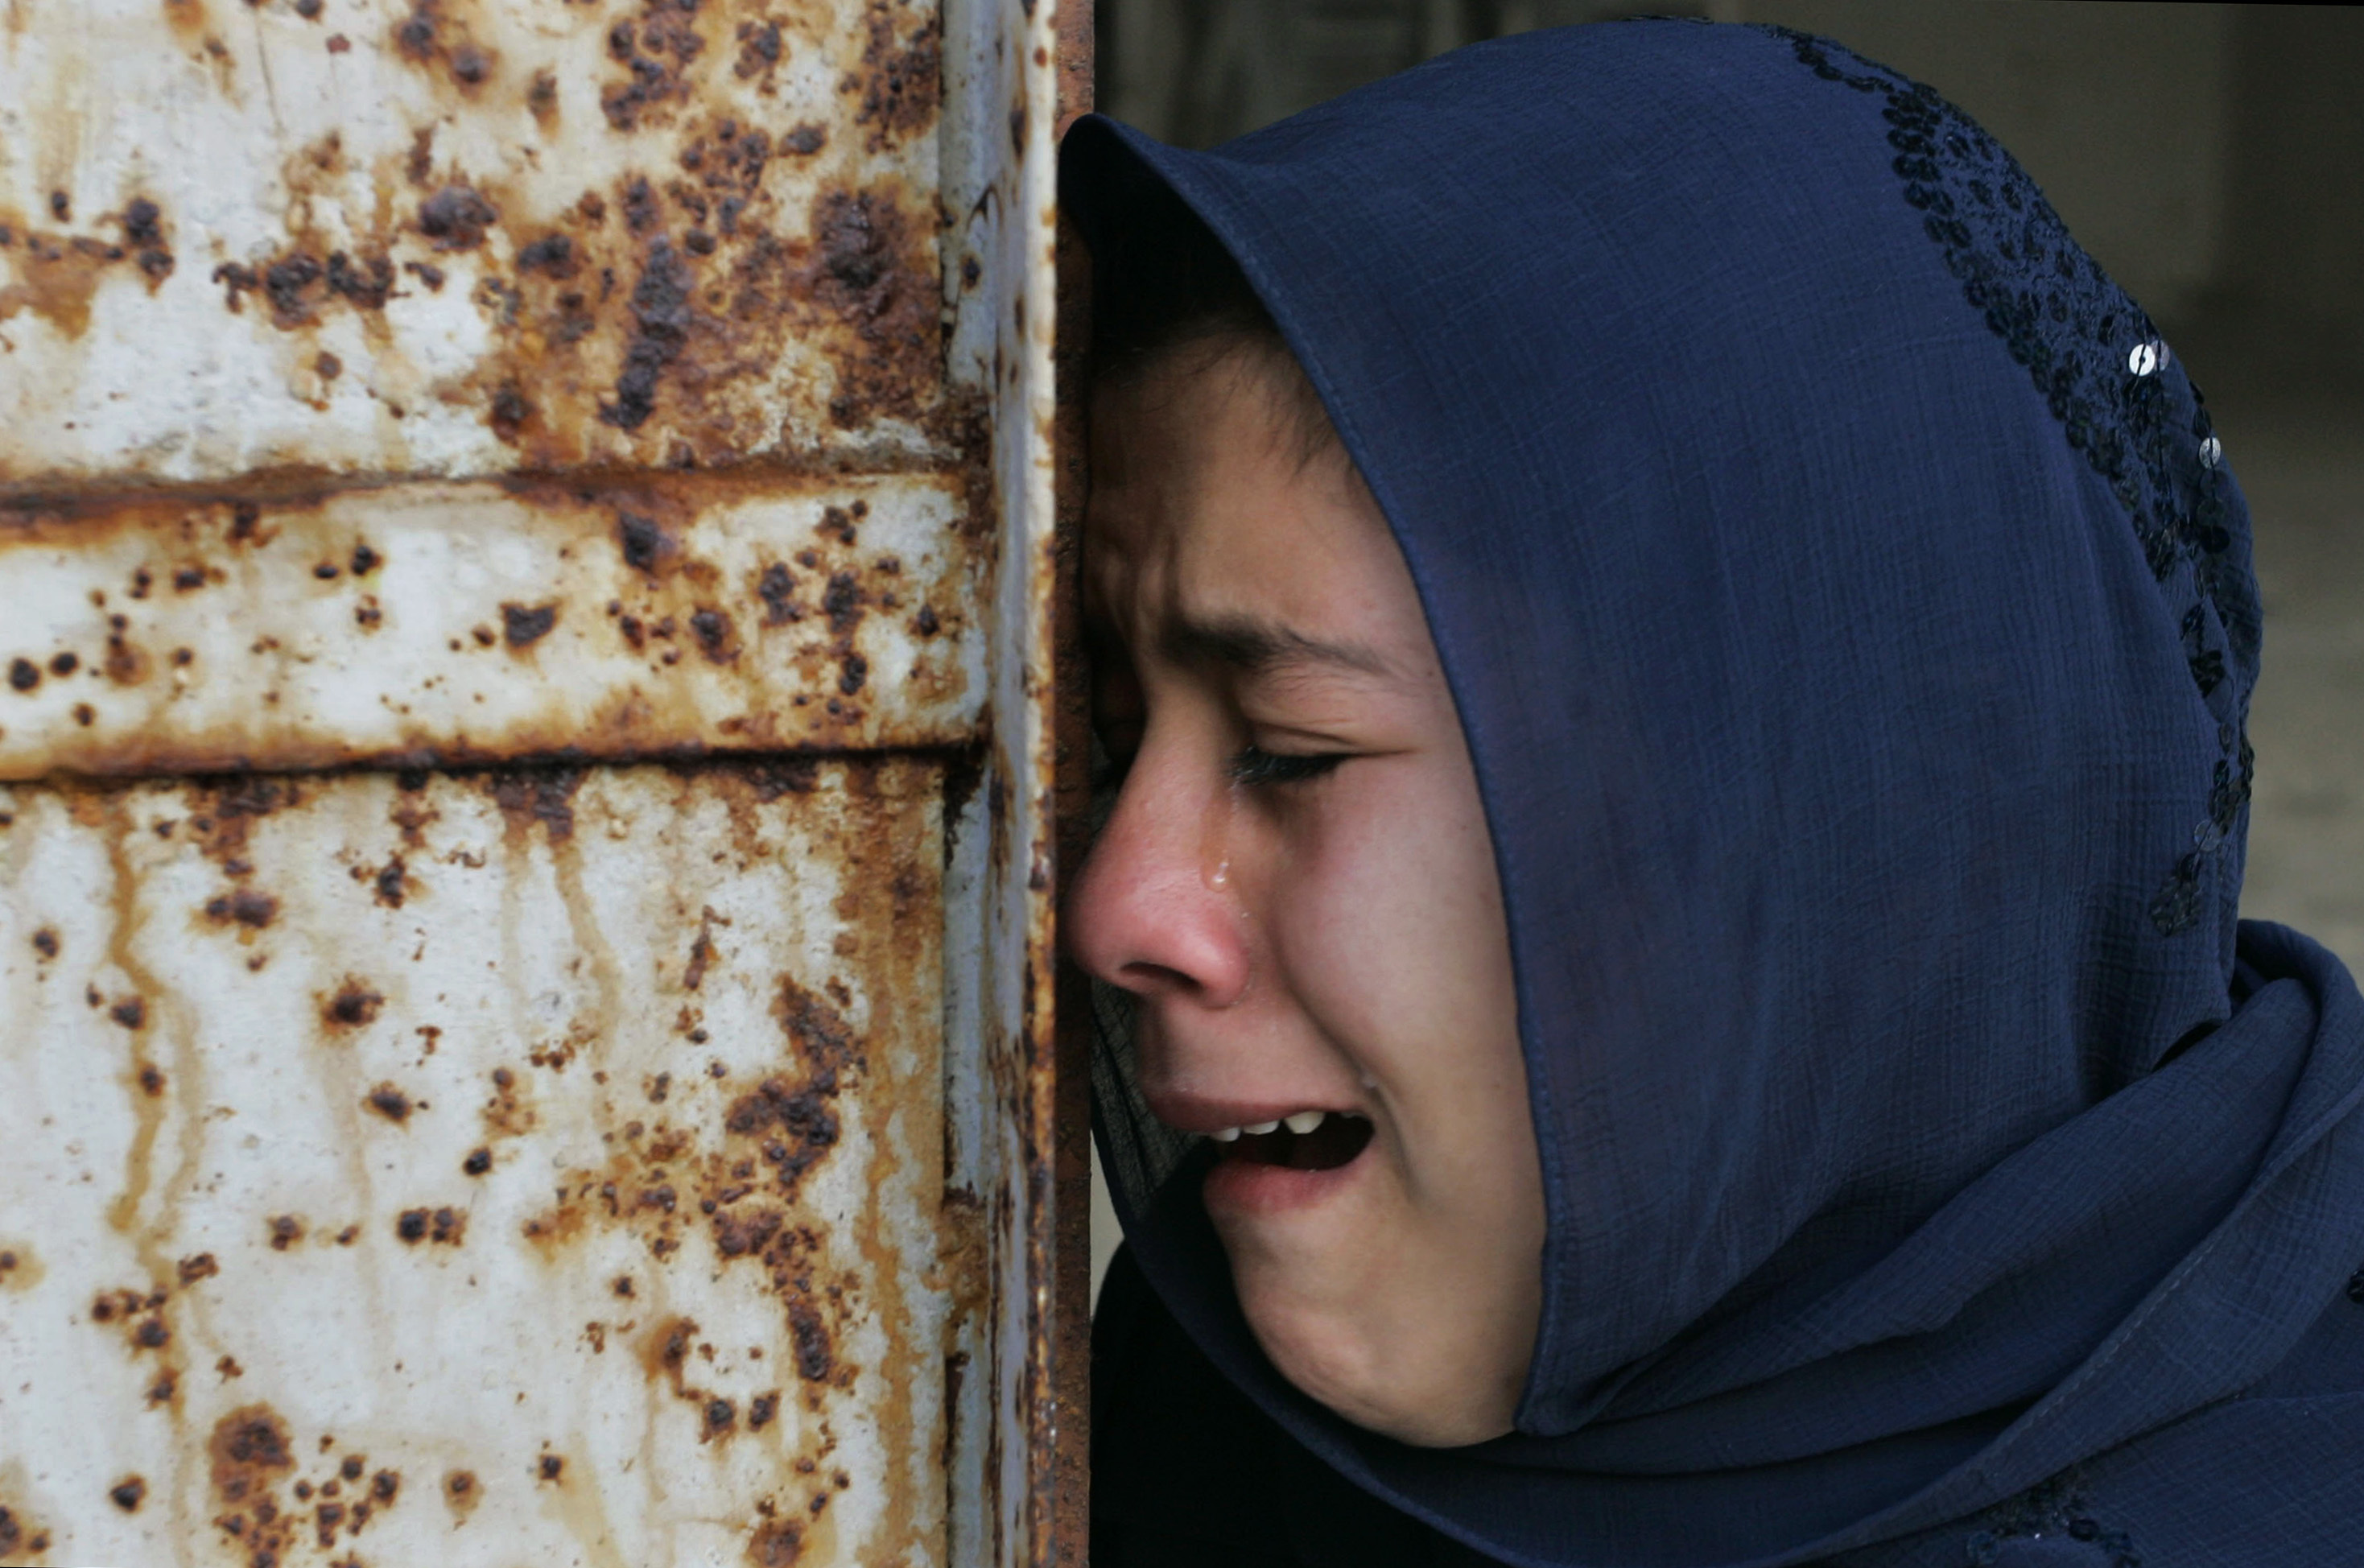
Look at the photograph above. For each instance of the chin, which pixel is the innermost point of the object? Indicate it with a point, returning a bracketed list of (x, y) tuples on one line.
[(1359, 1374)]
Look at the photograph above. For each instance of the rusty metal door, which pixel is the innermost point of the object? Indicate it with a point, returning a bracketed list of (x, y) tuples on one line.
[(524, 999)]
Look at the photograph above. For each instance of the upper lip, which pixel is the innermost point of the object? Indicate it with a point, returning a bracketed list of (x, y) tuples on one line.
[(1187, 1112)]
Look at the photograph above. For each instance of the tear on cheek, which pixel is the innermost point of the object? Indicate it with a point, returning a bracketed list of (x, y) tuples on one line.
[(1335, 1142)]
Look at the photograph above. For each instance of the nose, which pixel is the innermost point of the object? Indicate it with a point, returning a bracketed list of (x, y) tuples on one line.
[(1144, 913)]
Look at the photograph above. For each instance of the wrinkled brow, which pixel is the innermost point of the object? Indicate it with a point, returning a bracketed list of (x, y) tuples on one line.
[(1256, 646)]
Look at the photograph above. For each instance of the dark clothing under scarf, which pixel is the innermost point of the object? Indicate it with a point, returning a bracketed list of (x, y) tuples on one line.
[(1850, 613)]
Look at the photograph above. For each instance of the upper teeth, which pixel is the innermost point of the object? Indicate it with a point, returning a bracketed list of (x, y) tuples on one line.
[(1303, 1121)]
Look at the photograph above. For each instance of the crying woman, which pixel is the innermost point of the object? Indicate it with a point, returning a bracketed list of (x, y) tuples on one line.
[(1673, 659)]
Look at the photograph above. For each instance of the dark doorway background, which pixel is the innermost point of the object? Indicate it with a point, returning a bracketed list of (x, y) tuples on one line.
[(2210, 156)]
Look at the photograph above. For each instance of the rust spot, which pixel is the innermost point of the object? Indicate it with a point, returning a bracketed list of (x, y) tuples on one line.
[(131, 1013), (662, 314), (461, 1494), (367, 283), (478, 1162), (327, 366), (223, 812), (776, 1544), (538, 795), (415, 35), (713, 630), (844, 600), (390, 883), (24, 674), (143, 231), (508, 413), (901, 82), (20, 1536), (523, 625), (19, 1267), (552, 254), (871, 273), (445, 1227), (352, 1005), (456, 217), (701, 958), (739, 1235), (428, 35), (653, 52), (126, 666), (758, 48), (811, 1335), (761, 1409), (151, 1079), (553, 1467), (243, 906), (643, 539), (665, 1350), (819, 1031), (287, 1229), (287, 282), (389, 1102), (44, 942), (199, 1266), (57, 278), (777, 589), (249, 1449), (64, 663), (795, 1122), (128, 1494), (641, 213), (720, 1419)]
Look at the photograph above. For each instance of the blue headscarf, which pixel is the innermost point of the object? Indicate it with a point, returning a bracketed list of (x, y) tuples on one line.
[(1850, 612)]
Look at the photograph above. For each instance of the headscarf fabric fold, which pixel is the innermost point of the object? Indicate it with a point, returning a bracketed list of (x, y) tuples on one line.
[(1849, 607)]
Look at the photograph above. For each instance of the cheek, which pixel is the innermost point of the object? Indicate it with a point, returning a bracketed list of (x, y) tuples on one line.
[(1387, 927)]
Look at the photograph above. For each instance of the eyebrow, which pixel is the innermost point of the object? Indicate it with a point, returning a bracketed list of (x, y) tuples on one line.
[(1257, 647)]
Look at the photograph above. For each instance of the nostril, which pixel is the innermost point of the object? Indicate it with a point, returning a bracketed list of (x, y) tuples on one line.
[(1146, 977)]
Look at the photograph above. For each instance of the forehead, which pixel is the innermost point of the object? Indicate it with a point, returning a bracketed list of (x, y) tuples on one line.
[(1205, 505)]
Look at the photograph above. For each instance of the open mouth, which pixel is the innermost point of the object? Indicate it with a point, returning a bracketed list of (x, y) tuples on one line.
[(1310, 1141)]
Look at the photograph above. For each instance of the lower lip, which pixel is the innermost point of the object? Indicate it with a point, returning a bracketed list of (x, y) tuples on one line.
[(1250, 1187)]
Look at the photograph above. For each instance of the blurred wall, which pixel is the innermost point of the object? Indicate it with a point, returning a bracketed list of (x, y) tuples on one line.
[(2211, 156)]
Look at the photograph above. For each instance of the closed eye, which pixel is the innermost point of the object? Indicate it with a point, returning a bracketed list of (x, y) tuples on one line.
[(1252, 765)]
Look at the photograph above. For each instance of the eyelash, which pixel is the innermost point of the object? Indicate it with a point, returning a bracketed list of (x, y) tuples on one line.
[(1252, 765)]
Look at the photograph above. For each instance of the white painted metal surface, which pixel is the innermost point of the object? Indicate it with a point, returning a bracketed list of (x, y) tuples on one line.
[(569, 233), (565, 1146), (525, 556), (482, 620)]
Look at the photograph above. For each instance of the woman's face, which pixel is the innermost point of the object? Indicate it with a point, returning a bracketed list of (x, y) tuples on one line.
[(1298, 885)]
